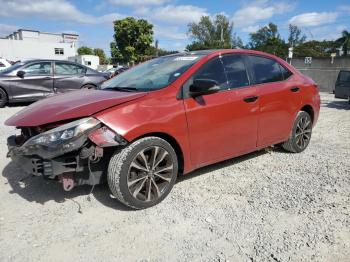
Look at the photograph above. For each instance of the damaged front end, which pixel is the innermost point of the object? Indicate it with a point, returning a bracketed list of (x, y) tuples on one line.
[(75, 153)]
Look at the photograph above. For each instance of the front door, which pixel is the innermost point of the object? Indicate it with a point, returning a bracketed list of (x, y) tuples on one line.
[(223, 124), (36, 83)]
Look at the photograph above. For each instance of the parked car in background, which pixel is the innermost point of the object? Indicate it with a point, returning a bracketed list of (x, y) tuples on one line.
[(342, 86), (116, 70), (4, 64), (164, 117), (32, 80)]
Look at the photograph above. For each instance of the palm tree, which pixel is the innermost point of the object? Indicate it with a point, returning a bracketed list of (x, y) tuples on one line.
[(344, 42)]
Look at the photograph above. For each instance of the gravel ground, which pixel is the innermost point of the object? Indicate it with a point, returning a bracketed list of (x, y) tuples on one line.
[(265, 206)]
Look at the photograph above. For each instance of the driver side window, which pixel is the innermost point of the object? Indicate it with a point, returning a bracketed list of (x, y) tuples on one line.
[(213, 70), (43, 68)]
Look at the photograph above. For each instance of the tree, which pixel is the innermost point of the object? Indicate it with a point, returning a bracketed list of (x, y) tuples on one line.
[(101, 54), (211, 34), (295, 36), (267, 39), (344, 42), (316, 48), (84, 50), (153, 51), (132, 38)]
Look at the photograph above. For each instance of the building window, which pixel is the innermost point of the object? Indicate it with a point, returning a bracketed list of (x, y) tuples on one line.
[(59, 51)]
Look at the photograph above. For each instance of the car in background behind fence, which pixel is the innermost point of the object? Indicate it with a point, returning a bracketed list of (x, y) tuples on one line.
[(342, 86), (32, 80)]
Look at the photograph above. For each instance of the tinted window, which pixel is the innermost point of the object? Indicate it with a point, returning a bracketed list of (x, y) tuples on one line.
[(235, 71), (43, 68), (344, 76), (265, 70), (68, 69), (285, 72), (213, 70)]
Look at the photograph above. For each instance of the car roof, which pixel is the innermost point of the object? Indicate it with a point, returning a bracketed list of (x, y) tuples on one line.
[(222, 51), (46, 60)]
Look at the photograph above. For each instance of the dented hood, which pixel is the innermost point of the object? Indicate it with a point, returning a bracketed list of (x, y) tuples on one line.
[(71, 105)]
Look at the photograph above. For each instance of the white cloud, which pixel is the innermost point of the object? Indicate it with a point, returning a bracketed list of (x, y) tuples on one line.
[(326, 32), (169, 33), (250, 29), (7, 29), (52, 9), (344, 8), (249, 15), (138, 2), (314, 19), (180, 14)]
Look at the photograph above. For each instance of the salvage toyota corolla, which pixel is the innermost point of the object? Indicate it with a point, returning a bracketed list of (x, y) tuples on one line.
[(165, 117)]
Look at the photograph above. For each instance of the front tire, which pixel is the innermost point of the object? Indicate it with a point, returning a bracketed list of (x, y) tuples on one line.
[(142, 174), (3, 98), (300, 136)]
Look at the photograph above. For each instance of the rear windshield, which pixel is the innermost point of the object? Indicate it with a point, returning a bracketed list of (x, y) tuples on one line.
[(154, 74), (344, 76)]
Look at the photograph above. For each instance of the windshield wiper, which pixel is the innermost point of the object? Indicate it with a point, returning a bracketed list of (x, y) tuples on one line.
[(127, 89)]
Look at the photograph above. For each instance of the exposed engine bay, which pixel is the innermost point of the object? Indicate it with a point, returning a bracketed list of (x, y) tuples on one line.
[(74, 153)]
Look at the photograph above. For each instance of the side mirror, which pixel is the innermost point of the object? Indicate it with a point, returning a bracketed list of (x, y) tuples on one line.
[(204, 87), (21, 74)]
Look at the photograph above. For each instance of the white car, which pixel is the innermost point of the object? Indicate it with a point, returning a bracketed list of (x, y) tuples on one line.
[(4, 64)]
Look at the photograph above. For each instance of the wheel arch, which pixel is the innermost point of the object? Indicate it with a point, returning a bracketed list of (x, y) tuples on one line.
[(88, 84), (173, 142), (308, 109)]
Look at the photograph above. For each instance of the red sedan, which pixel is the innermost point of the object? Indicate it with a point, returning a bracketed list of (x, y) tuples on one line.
[(165, 117)]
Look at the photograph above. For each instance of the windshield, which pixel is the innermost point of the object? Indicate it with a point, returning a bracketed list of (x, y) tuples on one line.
[(152, 75), (12, 68)]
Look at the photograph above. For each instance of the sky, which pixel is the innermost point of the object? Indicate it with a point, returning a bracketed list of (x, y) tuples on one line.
[(93, 20)]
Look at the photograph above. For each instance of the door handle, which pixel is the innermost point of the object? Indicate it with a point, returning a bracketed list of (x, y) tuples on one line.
[(250, 99), (295, 89)]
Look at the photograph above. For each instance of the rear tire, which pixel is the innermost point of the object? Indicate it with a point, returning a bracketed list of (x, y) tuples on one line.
[(300, 136), (3, 98), (142, 174)]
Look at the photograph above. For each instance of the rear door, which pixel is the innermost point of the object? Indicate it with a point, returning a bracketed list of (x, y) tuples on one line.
[(221, 125), (36, 83), (68, 76), (342, 86), (279, 99)]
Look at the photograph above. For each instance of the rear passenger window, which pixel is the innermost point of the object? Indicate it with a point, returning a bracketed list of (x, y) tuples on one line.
[(62, 68), (235, 71), (265, 70)]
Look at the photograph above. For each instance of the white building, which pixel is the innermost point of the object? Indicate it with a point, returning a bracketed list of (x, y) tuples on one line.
[(91, 61), (27, 44)]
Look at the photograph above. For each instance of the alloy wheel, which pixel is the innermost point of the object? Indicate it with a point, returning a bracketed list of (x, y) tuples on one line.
[(150, 173), (303, 132)]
